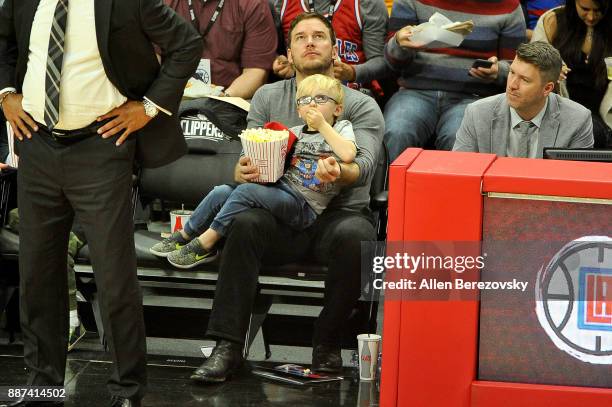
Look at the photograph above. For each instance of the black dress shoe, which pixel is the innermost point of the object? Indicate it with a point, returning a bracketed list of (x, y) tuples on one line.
[(326, 359), (118, 401), (224, 360)]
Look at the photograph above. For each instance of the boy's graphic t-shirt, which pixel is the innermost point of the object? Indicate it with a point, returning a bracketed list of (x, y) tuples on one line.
[(309, 148)]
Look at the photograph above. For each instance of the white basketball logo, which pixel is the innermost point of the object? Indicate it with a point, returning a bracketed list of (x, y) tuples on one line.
[(574, 299)]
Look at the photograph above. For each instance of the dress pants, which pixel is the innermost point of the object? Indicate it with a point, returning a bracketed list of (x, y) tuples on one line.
[(92, 178), (256, 237)]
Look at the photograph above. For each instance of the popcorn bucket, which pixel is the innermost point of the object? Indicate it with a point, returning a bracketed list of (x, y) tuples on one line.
[(178, 219), (268, 156)]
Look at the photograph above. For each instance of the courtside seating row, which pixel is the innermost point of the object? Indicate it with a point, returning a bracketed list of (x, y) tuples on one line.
[(185, 182)]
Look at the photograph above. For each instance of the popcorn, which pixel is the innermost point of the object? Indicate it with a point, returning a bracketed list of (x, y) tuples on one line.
[(264, 135), (267, 150)]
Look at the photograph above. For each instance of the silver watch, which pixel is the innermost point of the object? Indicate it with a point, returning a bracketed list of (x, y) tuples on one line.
[(150, 109)]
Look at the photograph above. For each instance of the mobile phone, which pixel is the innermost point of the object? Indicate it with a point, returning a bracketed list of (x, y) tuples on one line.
[(482, 63)]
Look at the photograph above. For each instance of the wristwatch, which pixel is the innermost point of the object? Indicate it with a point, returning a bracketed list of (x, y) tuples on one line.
[(150, 109)]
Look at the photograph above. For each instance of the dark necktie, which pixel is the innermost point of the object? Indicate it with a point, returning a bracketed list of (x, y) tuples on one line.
[(524, 130), (55, 58)]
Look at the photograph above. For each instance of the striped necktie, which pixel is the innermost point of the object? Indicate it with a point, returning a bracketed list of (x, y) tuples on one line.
[(54, 63), (524, 130)]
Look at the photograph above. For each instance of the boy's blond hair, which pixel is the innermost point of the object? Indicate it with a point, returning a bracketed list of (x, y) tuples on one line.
[(316, 82)]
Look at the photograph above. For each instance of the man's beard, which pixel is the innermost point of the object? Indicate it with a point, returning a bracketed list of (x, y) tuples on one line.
[(321, 67)]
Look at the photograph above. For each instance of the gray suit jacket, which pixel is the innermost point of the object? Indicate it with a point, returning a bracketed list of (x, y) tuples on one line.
[(486, 126)]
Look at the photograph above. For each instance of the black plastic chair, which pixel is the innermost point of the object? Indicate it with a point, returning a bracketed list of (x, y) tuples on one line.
[(185, 182)]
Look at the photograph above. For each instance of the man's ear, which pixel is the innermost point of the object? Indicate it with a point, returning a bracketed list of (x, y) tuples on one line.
[(549, 87), (335, 52), (289, 56)]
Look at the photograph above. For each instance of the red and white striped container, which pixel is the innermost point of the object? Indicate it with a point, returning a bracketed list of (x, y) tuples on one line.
[(268, 156)]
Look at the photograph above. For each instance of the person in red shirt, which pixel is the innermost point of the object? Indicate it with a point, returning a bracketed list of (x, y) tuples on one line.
[(239, 43)]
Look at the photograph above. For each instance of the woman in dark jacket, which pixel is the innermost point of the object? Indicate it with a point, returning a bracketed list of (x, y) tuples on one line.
[(582, 32)]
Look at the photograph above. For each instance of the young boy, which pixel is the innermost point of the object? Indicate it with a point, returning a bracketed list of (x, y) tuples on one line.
[(296, 199)]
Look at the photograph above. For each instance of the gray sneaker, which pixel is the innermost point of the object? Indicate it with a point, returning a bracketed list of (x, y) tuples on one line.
[(191, 255), (174, 242)]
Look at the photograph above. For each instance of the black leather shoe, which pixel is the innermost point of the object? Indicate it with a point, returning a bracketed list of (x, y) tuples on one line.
[(118, 401), (326, 359), (224, 360), (23, 403)]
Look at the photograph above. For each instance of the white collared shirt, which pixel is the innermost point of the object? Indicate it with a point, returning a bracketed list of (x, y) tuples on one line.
[(85, 90), (513, 141)]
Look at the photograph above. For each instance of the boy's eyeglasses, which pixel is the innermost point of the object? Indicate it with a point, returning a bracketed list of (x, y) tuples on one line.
[(319, 100)]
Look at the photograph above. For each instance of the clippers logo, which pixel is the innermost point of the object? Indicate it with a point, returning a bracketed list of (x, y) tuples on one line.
[(201, 128), (595, 299), (574, 299)]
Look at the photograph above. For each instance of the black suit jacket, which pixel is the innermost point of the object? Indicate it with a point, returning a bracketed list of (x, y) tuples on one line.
[(126, 32)]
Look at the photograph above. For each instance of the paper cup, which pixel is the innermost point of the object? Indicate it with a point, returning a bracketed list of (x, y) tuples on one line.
[(269, 157), (609, 67), (178, 219), (368, 355)]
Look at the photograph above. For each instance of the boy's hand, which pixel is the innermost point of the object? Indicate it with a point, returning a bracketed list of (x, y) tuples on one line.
[(314, 119), (328, 170)]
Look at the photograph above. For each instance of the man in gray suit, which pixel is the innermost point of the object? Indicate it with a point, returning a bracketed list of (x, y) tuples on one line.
[(529, 116)]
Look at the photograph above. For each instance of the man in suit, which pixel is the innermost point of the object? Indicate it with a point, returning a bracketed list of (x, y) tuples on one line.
[(82, 88), (529, 116)]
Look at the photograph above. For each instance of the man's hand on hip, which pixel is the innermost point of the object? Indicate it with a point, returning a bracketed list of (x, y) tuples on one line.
[(20, 121), (129, 117)]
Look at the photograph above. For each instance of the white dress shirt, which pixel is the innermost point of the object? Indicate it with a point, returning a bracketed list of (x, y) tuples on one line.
[(85, 90), (513, 140)]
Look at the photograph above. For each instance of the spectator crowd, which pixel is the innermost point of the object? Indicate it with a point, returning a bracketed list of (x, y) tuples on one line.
[(529, 75)]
